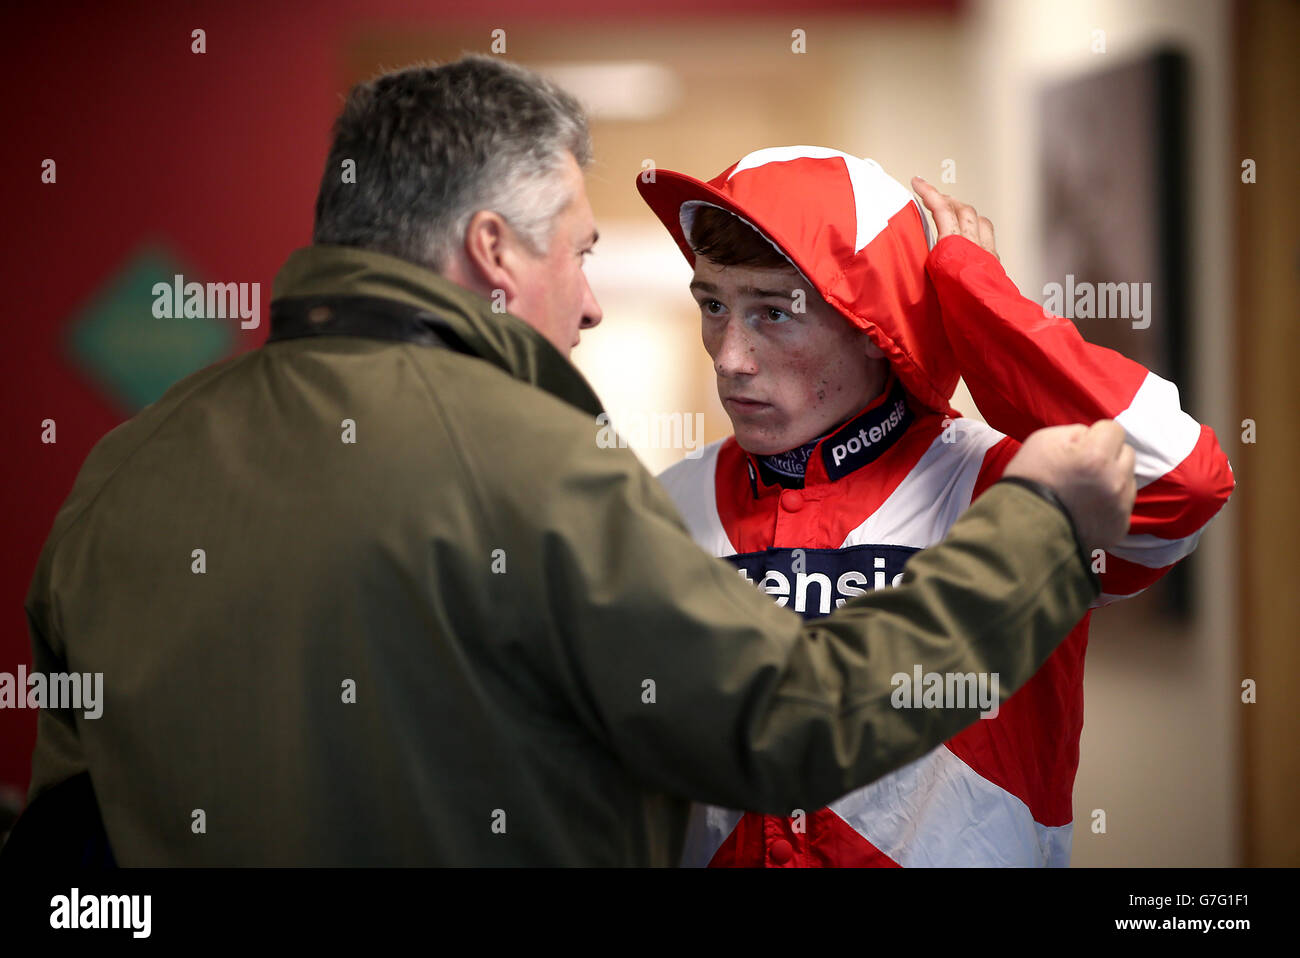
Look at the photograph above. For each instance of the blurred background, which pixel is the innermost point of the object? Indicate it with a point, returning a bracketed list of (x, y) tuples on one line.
[(1120, 141)]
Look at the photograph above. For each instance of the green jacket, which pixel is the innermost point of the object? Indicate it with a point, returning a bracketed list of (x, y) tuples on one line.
[(473, 635)]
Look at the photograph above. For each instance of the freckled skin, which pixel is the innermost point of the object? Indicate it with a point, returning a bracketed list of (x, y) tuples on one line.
[(811, 370)]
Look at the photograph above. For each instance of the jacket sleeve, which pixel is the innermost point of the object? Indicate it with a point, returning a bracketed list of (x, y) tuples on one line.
[(58, 754), (1027, 369), (704, 688)]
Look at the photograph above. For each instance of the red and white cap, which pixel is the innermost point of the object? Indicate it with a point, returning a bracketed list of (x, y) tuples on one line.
[(856, 234)]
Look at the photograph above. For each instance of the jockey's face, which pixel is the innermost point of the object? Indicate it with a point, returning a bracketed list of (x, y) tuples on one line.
[(789, 366)]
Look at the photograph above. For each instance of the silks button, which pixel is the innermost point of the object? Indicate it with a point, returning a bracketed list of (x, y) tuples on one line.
[(792, 500), (781, 851)]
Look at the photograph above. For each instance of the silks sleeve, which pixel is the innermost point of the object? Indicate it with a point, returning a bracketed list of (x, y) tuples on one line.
[(1027, 369)]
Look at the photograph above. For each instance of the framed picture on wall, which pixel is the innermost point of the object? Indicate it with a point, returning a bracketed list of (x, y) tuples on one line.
[(1115, 222)]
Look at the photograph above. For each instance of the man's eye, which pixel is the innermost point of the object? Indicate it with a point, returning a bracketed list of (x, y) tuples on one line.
[(777, 315), (711, 307)]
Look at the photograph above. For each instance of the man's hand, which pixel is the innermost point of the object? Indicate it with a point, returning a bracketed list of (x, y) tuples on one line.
[(952, 218), (1091, 469)]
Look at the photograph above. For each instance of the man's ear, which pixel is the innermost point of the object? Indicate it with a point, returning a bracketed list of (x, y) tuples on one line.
[(872, 350), (489, 248)]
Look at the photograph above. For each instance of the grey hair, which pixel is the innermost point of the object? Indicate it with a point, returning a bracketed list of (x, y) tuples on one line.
[(433, 145)]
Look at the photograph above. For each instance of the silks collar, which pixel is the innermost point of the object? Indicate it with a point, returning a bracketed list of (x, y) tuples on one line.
[(859, 442)]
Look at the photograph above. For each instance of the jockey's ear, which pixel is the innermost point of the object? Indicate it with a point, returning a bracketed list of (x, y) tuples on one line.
[(873, 351)]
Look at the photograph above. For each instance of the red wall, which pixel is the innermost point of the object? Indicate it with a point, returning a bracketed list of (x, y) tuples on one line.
[(215, 156)]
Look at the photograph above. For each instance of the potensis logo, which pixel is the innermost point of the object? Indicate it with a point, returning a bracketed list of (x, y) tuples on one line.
[(75, 910), (868, 436), (813, 581)]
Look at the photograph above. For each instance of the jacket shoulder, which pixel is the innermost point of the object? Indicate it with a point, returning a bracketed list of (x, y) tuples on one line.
[(502, 413), (528, 450), (116, 447)]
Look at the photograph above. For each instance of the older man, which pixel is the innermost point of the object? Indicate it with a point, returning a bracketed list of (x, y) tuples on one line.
[(374, 593)]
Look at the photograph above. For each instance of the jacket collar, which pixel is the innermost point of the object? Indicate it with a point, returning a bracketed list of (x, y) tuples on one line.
[(854, 444), (389, 298)]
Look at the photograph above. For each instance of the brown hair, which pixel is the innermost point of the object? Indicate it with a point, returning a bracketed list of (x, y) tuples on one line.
[(727, 240)]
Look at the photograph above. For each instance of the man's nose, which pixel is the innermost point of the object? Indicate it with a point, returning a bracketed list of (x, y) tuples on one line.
[(735, 351), (591, 311)]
